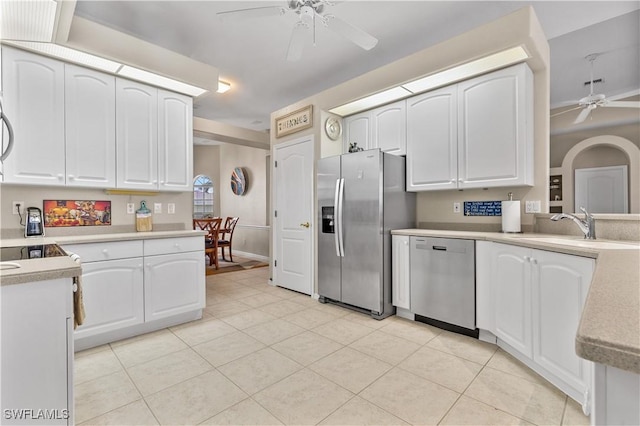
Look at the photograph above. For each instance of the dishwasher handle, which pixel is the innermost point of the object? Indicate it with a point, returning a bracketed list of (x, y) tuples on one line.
[(441, 248)]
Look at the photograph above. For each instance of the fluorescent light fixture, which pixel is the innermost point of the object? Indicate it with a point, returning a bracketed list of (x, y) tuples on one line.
[(369, 102), (27, 20), (158, 80), (469, 69), (67, 54), (460, 72), (223, 86)]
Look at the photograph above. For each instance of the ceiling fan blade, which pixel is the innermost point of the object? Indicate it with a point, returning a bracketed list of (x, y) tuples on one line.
[(565, 111), (296, 43), (254, 12), (350, 32), (622, 104), (582, 116)]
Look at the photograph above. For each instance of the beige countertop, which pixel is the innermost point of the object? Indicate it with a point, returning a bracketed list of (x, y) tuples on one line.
[(609, 330), (30, 270)]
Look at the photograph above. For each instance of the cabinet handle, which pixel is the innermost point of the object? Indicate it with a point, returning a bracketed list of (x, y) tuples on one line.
[(148, 265), (155, 182), (534, 261), (406, 243), (161, 182), (60, 176), (71, 177), (106, 252), (140, 266), (177, 245), (527, 259), (452, 181)]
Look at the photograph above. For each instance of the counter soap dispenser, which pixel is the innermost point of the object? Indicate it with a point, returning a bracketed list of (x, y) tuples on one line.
[(143, 218), (511, 215)]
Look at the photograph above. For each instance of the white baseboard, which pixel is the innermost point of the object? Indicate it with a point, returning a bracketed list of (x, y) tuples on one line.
[(252, 256)]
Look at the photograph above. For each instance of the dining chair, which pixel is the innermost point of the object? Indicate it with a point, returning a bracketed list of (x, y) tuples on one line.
[(212, 226), (229, 227)]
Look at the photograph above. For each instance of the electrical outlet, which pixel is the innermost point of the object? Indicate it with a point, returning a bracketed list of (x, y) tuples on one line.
[(532, 206), (131, 208), (171, 208), (456, 207), (157, 207), (14, 208)]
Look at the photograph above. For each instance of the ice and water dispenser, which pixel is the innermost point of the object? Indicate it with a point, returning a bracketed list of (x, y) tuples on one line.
[(327, 220)]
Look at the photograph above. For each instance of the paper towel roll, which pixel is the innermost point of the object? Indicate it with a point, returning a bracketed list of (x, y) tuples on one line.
[(511, 216)]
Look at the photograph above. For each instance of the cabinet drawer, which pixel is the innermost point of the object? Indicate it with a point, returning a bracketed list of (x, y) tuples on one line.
[(173, 245), (96, 252)]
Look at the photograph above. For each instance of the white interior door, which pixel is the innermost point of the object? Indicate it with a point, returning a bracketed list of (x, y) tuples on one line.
[(293, 188), (602, 190)]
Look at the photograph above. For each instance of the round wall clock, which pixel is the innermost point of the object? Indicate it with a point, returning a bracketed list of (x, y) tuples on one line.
[(332, 128), (238, 181)]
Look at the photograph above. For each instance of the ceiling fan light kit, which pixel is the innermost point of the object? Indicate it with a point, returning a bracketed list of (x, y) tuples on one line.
[(593, 101), (308, 12)]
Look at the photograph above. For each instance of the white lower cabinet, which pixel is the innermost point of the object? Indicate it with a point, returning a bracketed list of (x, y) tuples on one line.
[(400, 270), (174, 284), (113, 295), (537, 299), (129, 285), (37, 353), (512, 295)]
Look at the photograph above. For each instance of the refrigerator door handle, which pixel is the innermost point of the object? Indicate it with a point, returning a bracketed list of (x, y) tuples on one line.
[(336, 201), (340, 208)]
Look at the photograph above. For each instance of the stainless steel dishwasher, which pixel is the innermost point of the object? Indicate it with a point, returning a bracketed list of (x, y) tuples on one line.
[(443, 284)]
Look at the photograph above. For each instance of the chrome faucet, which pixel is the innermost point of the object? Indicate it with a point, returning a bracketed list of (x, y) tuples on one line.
[(587, 226)]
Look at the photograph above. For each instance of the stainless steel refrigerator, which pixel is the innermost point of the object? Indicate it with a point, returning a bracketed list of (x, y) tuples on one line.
[(361, 197)]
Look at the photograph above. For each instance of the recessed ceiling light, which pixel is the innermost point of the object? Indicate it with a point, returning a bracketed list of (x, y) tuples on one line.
[(372, 101), (158, 80), (442, 78), (27, 20), (67, 54), (223, 86)]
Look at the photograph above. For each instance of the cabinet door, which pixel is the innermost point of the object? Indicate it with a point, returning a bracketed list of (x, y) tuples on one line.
[(495, 132), (400, 270), (432, 141), (136, 135), (34, 100), (175, 141), (511, 272), (36, 351), (357, 129), (560, 286), (90, 120), (113, 296), (173, 284), (389, 128)]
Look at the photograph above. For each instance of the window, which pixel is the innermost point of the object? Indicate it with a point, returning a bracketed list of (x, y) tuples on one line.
[(202, 197)]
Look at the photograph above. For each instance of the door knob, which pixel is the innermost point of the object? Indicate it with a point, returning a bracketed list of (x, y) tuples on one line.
[(306, 224)]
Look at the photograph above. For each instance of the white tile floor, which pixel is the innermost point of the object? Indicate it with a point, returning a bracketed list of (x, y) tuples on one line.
[(264, 355)]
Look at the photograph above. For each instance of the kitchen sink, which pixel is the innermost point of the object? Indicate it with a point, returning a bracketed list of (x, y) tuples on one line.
[(593, 244)]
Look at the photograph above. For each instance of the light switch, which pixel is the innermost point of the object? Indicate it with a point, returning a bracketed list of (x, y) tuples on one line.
[(171, 208), (157, 207)]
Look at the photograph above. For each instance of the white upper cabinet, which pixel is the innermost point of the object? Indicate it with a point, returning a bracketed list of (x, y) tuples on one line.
[(389, 128), (34, 100), (357, 129), (474, 134), (384, 127), (432, 146), (136, 135), (495, 129), (175, 141), (90, 120)]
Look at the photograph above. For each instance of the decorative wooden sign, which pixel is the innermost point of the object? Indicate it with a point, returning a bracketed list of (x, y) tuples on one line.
[(294, 122), (483, 208)]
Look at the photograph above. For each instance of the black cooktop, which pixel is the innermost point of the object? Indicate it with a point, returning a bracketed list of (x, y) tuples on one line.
[(31, 252)]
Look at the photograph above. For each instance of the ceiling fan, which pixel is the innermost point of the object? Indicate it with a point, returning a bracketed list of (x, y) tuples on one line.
[(593, 101), (308, 11)]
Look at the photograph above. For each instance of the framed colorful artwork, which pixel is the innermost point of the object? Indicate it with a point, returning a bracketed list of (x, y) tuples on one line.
[(59, 213)]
